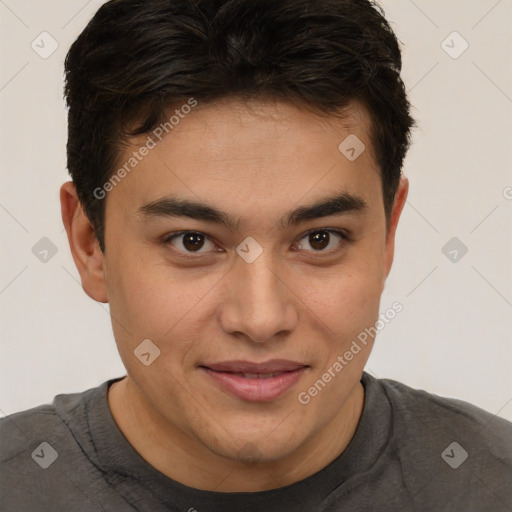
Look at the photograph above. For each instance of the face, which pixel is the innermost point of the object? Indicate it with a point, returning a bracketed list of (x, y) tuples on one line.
[(252, 253)]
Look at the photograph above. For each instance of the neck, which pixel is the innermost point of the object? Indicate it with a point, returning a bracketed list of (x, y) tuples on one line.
[(183, 459)]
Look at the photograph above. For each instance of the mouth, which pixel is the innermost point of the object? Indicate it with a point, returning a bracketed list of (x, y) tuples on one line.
[(255, 382)]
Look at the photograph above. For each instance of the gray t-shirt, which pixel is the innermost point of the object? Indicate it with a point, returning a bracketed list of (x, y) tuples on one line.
[(412, 451)]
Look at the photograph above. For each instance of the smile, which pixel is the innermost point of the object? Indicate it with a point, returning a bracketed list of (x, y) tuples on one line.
[(255, 382)]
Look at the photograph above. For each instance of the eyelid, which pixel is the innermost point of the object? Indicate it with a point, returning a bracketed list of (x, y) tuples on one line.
[(337, 231)]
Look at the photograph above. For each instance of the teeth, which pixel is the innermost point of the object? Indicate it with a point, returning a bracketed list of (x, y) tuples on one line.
[(260, 375)]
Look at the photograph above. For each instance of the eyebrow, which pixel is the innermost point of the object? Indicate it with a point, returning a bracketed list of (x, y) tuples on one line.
[(170, 206)]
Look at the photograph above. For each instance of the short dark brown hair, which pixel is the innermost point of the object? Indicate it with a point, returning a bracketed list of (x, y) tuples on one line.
[(136, 58)]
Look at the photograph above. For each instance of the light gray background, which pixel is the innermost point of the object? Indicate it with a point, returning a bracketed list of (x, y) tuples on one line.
[(453, 337)]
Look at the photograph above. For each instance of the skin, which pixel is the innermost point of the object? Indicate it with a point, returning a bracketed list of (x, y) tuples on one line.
[(256, 161)]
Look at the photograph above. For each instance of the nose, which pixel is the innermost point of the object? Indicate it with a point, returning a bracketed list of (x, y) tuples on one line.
[(258, 302)]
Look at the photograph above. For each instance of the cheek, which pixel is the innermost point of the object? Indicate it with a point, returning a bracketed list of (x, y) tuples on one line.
[(350, 309), (150, 299), (348, 296), (354, 306)]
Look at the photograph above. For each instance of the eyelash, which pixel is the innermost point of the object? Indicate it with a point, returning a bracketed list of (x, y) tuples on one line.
[(191, 254)]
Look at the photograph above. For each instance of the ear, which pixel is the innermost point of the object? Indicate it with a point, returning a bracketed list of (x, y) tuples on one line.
[(398, 205), (83, 244)]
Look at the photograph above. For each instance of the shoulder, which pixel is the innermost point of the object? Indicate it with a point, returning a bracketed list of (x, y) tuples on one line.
[(442, 453), (461, 419), (20, 430), (44, 465), (436, 435)]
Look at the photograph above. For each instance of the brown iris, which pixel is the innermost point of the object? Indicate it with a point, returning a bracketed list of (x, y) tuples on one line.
[(193, 241), (319, 239)]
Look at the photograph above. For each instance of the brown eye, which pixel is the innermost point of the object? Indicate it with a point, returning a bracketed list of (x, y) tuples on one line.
[(322, 240), (190, 242), (193, 241), (319, 240)]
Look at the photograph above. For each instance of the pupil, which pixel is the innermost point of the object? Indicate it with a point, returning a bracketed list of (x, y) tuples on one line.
[(193, 241), (319, 240)]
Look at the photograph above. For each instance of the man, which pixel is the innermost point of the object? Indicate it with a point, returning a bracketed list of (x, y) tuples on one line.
[(236, 191)]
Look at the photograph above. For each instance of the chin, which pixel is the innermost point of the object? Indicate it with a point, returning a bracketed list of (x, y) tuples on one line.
[(259, 448)]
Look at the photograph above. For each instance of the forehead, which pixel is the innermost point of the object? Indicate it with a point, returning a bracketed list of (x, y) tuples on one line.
[(252, 153), (231, 124)]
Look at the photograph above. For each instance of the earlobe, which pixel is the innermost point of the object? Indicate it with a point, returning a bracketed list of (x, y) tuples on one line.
[(83, 243), (398, 205)]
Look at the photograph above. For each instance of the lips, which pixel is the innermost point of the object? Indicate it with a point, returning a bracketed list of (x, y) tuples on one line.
[(257, 382), (272, 366)]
